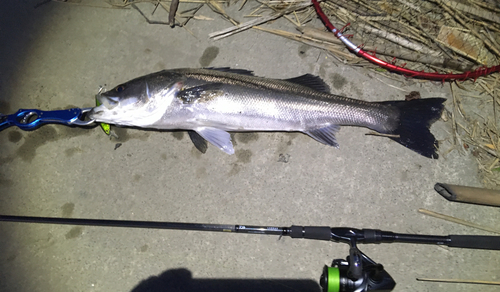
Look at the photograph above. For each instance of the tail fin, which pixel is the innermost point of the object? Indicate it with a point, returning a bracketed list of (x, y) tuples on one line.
[(416, 116)]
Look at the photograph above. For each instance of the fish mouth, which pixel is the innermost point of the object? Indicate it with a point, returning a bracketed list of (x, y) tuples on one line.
[(104, 104), (109, 102)]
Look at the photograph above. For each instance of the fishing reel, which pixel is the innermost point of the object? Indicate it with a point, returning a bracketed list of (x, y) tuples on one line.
[(358, 273)]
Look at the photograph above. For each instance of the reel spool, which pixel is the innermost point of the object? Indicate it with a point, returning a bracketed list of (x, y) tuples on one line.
[(340, 276)]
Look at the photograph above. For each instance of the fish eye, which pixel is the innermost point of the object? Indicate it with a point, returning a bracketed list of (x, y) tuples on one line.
[(120, 88)]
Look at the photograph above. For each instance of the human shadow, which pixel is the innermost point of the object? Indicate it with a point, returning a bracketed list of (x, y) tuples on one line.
[(181, 280)]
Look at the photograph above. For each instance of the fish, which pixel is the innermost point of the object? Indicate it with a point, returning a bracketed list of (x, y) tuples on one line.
[(211, 102)]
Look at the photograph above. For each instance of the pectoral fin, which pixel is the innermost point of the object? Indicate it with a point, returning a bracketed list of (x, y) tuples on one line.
[(198, 141), (217, 137), (325, 135)]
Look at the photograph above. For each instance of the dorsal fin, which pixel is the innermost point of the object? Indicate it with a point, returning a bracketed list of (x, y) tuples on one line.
[(231, 70), (310, 81)]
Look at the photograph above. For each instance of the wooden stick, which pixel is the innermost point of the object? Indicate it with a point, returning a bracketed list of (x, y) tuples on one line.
[(171, 15), (456, 220), (456, 138), (419, 23), (195, 16), (242, 4), (164, 6), (128, 3), (307, 40), (218, 9), (459, 17), (488, 7), (390, 50), (398, 40), (246, 25), (372, 133), (485, 14), (459, 281), (490, 92)]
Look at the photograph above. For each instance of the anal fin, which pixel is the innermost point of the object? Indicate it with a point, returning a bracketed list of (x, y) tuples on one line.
[(325, 135)]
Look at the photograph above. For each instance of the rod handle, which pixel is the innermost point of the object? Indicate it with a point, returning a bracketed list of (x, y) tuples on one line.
[(311, 232), (475, 241)]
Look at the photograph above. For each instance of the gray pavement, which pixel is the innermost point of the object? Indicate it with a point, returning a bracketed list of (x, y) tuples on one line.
[(57, 56)]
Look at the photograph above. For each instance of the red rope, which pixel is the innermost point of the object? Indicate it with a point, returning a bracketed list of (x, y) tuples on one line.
[(407, 72)]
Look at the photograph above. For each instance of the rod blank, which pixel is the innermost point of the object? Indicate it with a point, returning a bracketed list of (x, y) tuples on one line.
[(339, 234)]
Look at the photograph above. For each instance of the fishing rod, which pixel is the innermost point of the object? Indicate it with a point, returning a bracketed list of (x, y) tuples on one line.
[(357, 273)]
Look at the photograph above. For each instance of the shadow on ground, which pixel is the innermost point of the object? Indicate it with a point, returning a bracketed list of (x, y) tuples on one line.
[(181, 280)]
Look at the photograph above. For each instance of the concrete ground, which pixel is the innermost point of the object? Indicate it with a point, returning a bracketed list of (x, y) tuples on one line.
[(57, 55)]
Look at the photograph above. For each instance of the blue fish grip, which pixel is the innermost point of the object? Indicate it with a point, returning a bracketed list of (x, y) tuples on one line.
[(31, 119)]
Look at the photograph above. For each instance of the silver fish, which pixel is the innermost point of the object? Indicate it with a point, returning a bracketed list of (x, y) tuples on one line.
[(210, 102)]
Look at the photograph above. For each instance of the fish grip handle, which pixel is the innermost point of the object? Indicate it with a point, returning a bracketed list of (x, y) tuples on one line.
[(31, 119)]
